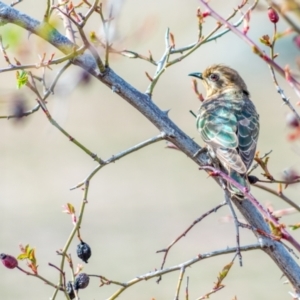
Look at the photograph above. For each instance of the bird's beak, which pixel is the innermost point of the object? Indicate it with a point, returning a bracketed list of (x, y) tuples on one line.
[(197, 75)]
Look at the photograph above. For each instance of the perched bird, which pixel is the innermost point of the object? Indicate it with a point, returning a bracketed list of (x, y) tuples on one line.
[(228, 122)]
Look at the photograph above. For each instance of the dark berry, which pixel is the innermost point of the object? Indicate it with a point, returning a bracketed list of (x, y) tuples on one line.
[(70, 290), (84, 251), (8, 261), (82, 281), (252, 179)]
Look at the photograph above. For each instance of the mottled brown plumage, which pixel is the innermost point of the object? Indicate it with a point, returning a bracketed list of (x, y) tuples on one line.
[(228, 121)]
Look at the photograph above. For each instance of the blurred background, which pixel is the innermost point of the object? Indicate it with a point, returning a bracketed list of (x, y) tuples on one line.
[(141, 203)]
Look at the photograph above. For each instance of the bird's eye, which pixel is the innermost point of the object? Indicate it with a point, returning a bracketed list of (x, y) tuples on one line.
[(213, 77)]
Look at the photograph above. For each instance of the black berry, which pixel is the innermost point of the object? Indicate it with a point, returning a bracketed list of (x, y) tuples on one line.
[(70, 290), (84, 251), (82, 281)]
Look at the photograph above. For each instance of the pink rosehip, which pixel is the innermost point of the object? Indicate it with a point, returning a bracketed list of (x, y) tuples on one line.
[(8, 261), (273, 15)]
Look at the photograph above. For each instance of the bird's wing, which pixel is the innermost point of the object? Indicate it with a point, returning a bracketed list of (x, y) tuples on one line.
[(218, 125), (247, 132)]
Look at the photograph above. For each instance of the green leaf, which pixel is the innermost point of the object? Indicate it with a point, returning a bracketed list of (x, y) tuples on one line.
[(22, 78)]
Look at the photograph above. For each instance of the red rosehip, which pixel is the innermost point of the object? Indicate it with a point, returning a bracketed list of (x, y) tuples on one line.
[(273, 15), (8, 261)]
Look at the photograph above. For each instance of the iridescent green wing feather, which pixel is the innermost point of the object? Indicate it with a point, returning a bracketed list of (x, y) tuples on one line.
[(247, 131), (217, 123)]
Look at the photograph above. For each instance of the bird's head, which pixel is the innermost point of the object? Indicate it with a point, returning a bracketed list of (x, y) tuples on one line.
[(218, 79)]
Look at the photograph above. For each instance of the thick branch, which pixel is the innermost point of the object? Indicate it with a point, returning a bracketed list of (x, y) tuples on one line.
[(158, 118)]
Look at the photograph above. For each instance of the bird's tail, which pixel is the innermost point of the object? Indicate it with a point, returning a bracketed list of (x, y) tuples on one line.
[(240, 179)]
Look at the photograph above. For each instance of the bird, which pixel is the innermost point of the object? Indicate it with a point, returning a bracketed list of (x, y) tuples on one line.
[(228, 122)]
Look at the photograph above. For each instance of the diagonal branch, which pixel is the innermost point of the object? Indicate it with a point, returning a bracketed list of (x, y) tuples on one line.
[(161, 121)]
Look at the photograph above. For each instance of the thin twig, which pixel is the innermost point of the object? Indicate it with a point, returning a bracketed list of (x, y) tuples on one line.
[(105, 281), (116, 157), (237, 226), (278, 194), (15, 2), (280, 91), (256, 164), (161, 65), (166, 250), (179, 282), (41, 278), (85, 41), (39, 65), (245, 38), (70, 32), (186, 264)]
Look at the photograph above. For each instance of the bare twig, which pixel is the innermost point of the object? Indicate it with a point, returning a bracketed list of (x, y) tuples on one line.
[(70, 32), (41, 102), (43, 64), (166, 250), (278, 194), (280, 91), (85, 41), (15, 3), (180, 278), (237, 226), (256, 164), (119, 156), (254, 47), (41, 278), (179, 267), (161, 65)]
